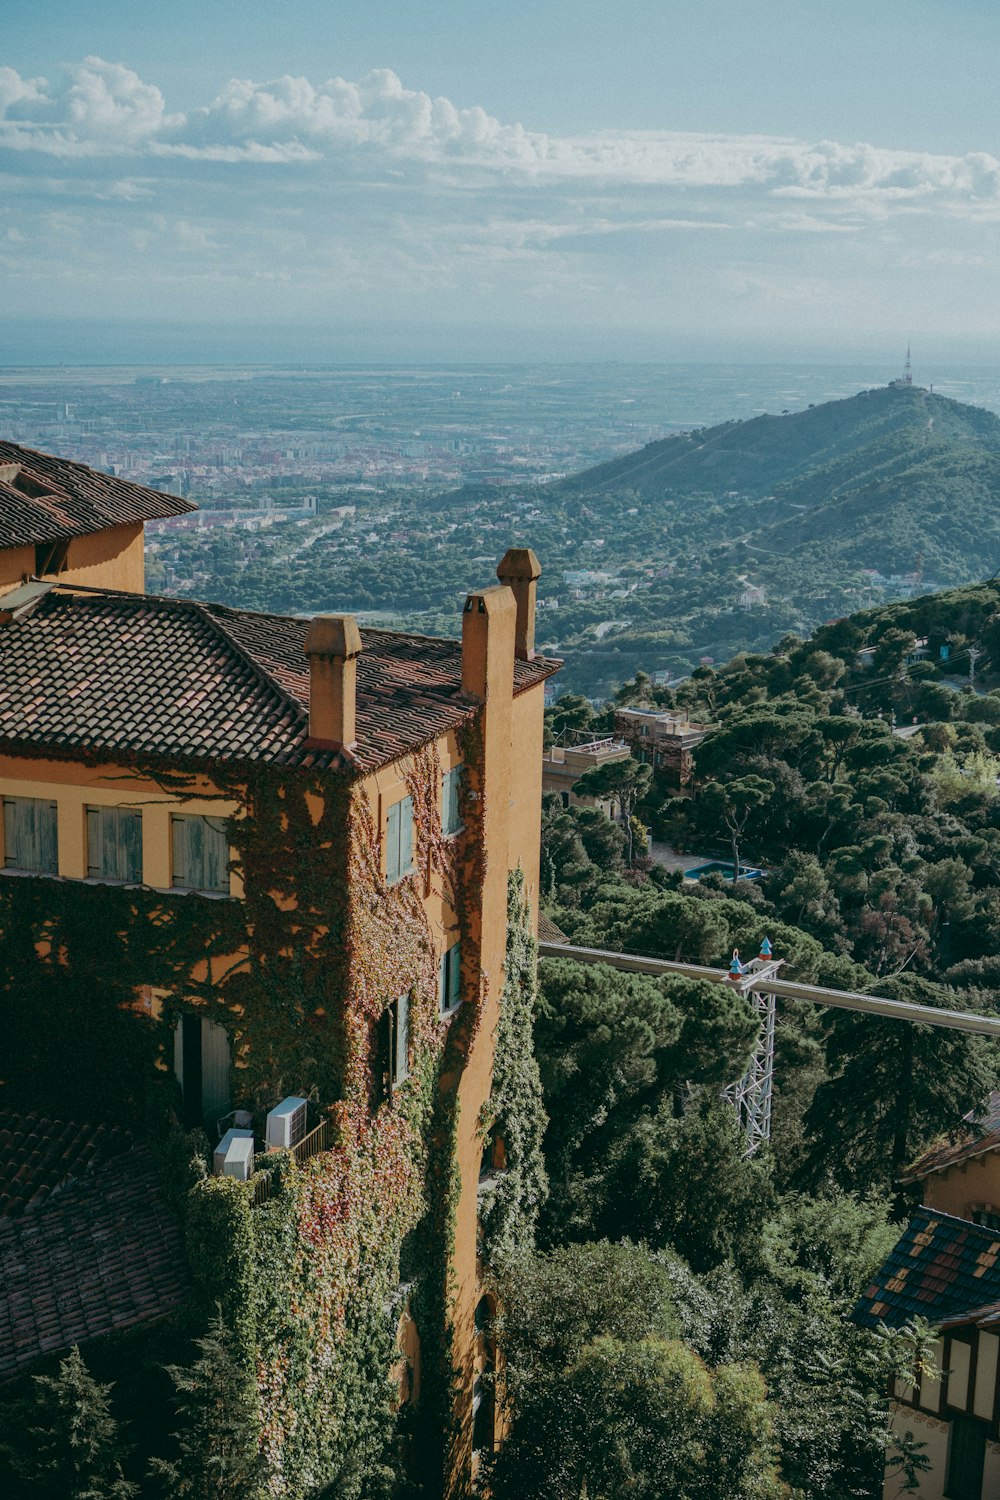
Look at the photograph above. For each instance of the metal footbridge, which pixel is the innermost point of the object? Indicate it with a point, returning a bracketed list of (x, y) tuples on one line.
[(758, 980)]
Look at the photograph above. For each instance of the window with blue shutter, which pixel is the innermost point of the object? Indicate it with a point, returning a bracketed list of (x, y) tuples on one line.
[(451, 980), (200, 853), (30, 840), (400, 1039), (451, 816), (399, 840), (114, 844)]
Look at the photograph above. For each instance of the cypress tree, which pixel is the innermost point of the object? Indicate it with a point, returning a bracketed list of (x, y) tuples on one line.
[(68, 1444)]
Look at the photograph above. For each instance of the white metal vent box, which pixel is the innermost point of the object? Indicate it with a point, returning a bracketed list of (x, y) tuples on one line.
[(286, 1124), (234, 1155)]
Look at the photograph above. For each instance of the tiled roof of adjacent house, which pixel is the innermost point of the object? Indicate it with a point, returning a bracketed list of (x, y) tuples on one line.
[(139, 676), (102, 1255), (38, 1156), (981, 1133), (944, 1269), (548, 932), (46, 499)]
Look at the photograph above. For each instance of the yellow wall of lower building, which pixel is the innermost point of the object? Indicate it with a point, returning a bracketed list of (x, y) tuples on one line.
[(16, 564), (109, 559), (112, 559), (963, 1189)]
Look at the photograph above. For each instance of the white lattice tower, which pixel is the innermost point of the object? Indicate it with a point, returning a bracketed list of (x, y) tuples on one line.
[(751, 1095)]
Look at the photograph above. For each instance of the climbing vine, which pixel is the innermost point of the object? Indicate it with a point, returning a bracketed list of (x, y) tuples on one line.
[(299, 972), (513, 1119)]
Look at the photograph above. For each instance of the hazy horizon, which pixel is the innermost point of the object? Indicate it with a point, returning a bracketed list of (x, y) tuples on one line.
[(40, 342)]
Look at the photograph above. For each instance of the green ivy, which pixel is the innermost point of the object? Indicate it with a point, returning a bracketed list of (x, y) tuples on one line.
[(515, 1112), (298, 972)]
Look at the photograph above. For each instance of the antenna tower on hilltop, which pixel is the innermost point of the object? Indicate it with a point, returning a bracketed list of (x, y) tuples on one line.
[(906, 379)]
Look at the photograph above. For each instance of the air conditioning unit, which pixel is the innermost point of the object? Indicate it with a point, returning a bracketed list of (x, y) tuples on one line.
[(286, 1124), (234, 1155)]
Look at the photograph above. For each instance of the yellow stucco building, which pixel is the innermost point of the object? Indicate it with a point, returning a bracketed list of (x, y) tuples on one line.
[(297, 839)]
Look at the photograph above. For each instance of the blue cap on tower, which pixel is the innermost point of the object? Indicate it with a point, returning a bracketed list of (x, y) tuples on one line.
[(765, 948), (736, 968)]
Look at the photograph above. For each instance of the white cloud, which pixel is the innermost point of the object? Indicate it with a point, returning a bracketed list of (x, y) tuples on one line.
[(104, 108), (101, 108), (370, 199)]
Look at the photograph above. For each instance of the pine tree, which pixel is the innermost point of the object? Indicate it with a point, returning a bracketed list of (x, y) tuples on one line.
[(68, 1444), (217, 1438)]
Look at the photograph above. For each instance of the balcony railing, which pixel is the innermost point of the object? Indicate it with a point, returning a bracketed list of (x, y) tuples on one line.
[(319, 1139)]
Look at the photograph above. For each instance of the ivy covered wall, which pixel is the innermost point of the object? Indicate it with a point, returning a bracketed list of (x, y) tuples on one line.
[(513, 1120), (299, 972)]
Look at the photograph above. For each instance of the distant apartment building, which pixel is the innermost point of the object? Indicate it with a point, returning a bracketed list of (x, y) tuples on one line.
[(663, 740), (563, 765), (276, 861)]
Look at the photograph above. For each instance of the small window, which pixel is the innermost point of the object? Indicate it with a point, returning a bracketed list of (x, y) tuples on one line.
[(484, 1314), (966, 1459), (399, 1055), (114, 844), (451, 815), (399, 841), (451, 980), (29, 835), (392, 1065), (482, 1416), (201, 853), (989, 1218)]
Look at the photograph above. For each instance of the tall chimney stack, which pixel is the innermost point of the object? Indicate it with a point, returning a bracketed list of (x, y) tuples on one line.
[(520, 570), (333, 644), (488, 625)]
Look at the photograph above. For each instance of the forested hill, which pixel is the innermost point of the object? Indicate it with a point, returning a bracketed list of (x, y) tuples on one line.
[(849, 440), (697, 547)]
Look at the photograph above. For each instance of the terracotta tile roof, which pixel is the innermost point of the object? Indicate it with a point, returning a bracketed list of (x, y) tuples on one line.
[(944, 1269), (38, 1156), (103, 1255), (135, 675), (548, 932), (982, 1134), (46, 499)]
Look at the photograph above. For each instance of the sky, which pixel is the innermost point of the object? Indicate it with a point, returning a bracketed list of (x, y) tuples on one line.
[(499, 178)]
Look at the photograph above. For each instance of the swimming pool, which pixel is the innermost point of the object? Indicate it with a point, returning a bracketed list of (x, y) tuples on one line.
[(722, 867)]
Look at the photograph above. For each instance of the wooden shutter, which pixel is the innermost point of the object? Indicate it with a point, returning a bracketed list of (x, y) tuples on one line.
[(454, 978), (214, 1071), (401, 1038), (95, 841), (114, 844), (201, 853), (443, 982), (406, 835), (215, 872), (30, 835), (392, 870), (181, 851), (129, 844), (451, 811)]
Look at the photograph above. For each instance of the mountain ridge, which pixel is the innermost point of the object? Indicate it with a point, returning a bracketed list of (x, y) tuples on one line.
[(754, 456)]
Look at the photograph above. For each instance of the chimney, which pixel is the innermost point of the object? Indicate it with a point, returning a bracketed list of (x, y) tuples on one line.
[(488, 628), (333, 644), (520, 571)]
